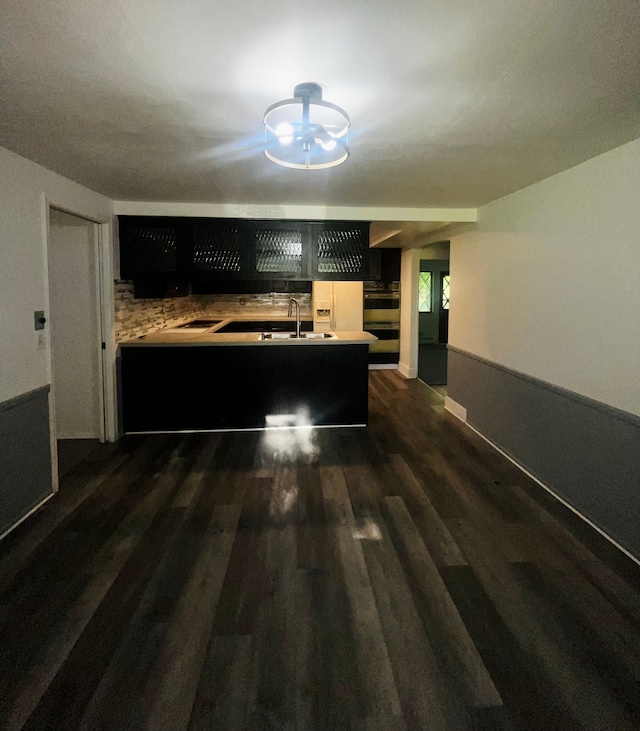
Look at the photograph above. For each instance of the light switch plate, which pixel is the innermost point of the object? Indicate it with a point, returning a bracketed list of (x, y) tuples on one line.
[(39, 320)]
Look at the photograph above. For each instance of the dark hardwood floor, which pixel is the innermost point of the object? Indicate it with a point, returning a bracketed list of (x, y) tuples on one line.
[(403, 576)]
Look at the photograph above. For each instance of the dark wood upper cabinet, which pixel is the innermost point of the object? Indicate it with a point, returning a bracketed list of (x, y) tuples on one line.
[(340, 250), (374, 271), (218, 247), (278, 250), (384, 265), (213, 249), (151, 246), (390, 265)]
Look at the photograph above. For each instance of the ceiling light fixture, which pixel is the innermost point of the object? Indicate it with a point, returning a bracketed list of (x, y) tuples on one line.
[(306, 132)]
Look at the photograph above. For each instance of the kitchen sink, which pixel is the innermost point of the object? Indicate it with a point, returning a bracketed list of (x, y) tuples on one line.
[(292, 336), (259, 326)]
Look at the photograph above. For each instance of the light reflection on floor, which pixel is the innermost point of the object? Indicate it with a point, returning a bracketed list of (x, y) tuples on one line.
[(287, 440), (289, 437), (366, 529)]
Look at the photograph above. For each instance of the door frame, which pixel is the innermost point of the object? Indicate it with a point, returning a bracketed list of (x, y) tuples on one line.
[(105, 324)]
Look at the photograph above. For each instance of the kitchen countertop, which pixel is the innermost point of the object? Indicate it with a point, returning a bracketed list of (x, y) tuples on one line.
[(212, 337)]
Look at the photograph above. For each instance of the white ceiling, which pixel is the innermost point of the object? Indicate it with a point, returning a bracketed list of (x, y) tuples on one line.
[(453, 102)]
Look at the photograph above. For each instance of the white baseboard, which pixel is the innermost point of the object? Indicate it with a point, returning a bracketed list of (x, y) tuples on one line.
[(407, 372), (455, 408), (80, 435), (27, 515), (383, 366)]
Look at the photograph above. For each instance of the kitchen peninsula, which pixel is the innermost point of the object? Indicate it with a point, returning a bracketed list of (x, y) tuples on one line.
[(212, 380)]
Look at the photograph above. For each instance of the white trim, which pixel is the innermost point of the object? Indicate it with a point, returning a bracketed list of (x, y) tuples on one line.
[(455, 408), (97, 276), (320, 213), (53, 441), (107, 328), (103, 248), (554, 494), (409, 316), (81, 435), (248, 429), (406, 371), (26, 515), (383, 366)]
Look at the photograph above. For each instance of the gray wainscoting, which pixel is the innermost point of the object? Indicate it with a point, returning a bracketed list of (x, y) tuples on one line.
[(584, 451), (25, 455)]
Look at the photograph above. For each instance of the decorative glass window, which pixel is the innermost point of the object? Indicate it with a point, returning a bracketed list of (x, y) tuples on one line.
[(445, 291), (424, 292)]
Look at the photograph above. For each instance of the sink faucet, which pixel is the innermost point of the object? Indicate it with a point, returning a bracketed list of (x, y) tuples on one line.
[(293, 301)]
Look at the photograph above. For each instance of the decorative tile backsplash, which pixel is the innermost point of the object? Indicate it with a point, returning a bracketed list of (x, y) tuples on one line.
[(135, 317), (257, 305)]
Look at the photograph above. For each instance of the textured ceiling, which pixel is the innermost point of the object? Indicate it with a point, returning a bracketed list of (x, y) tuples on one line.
[(453, 102)]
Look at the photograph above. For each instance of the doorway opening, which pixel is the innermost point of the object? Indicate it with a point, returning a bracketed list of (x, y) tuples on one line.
[(76, 346), (433, 322)]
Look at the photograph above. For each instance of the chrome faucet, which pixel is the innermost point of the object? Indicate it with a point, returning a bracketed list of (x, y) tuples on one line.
[(293, 301)]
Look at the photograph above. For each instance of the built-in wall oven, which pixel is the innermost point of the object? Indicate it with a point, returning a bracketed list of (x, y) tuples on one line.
[(381, 317)]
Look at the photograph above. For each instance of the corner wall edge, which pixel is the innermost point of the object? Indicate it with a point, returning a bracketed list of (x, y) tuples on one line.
[(456, 409)]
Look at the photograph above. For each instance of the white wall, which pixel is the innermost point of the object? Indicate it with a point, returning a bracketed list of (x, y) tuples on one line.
[(548, 283), (24, 189)]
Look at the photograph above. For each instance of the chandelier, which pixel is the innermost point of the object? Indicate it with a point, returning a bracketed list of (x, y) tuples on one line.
[(306, 132)]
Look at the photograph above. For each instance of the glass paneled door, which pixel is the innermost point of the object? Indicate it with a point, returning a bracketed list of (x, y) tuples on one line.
[(433, 314)]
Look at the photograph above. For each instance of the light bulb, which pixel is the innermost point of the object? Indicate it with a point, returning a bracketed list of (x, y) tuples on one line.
[(284, 133)]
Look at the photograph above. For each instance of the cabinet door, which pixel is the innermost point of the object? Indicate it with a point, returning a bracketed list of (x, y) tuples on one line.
[(279, 250), (151, 246), (340, 251), (390, 268), (374, 270), (219, 248)]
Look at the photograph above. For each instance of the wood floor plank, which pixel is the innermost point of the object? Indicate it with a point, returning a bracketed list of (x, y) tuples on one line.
[(280, 639), (422, 694), (171, 688), (64, 701), (609, 581), (74, 493), (221, 700), (527, 693), (43, 642), (404, 576), (244, 585), (435, 533), (441, 607), (147, 638), (379, 684), (577, 687)]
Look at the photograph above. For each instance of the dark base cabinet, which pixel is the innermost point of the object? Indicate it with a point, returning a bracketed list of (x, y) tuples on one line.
[(191, 388)]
